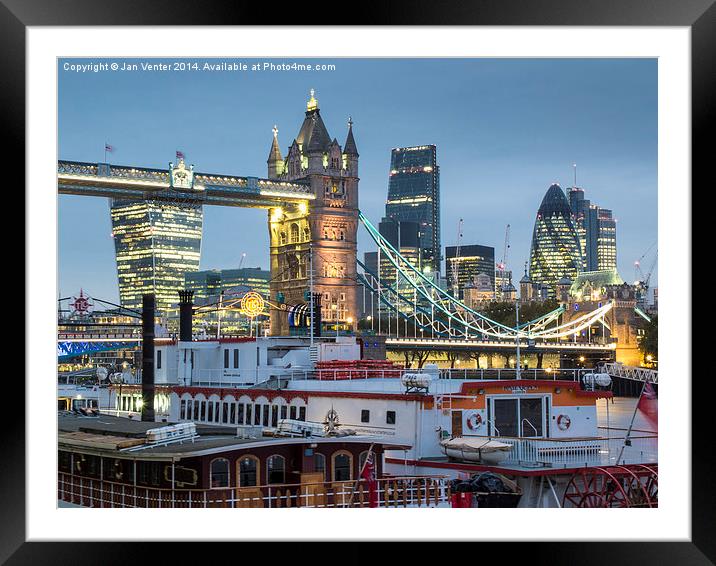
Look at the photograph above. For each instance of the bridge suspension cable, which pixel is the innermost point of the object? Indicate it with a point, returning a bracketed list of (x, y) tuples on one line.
[(445, 315)]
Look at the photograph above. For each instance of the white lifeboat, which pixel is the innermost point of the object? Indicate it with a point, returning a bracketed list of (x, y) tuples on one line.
[(482, 450)]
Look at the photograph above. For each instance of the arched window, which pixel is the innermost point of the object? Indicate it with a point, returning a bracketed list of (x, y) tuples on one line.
[(276, 469), (283, 237), (294, 233), (342, 466), (248, 471), (319, 464), (219, 472)]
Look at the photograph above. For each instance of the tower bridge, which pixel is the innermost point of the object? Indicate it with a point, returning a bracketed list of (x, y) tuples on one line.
[(311, 198)]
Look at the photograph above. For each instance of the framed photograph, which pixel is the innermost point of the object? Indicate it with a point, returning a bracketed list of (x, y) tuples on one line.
[(379, 272)]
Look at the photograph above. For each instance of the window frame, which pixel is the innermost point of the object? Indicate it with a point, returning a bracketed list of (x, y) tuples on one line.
[(211, 473)]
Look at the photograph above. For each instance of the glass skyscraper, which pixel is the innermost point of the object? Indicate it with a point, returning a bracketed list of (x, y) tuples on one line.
[(556, 251), (414, 195), (597, 231), (472, 261), (155, 245)]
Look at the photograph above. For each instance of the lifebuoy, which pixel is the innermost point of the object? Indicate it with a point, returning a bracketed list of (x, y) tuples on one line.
[(474, 421), (563, 422)]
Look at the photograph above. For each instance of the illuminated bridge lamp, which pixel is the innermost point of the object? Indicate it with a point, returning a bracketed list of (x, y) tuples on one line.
[(276, 214), (302, 207)]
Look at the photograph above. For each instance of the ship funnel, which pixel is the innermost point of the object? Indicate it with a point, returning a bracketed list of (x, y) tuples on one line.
[(148, 308), (185, 315)]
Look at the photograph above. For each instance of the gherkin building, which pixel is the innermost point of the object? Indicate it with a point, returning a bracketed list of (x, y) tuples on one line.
[(555, 251)]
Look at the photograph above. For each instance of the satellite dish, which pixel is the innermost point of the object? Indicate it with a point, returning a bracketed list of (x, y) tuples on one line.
[(101, 373)]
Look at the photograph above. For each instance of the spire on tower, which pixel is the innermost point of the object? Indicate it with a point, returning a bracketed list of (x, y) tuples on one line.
[(312, 103), (275, 159), (349, 148)]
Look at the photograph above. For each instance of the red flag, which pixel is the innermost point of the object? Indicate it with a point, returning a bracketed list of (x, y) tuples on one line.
[(649, 406), (368, 474)]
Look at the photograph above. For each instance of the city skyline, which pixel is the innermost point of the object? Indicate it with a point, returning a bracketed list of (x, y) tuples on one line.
[(617, 96)]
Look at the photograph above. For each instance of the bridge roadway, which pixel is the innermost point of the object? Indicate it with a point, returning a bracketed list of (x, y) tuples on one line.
[(138, 183), (438, 344)]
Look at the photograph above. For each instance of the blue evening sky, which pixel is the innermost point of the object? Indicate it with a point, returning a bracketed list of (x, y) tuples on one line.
[(505, 130)]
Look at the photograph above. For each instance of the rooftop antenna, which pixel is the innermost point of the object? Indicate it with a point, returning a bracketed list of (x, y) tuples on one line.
[(574, 165)]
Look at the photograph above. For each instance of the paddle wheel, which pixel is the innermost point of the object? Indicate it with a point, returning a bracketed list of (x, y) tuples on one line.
[(613, 486)]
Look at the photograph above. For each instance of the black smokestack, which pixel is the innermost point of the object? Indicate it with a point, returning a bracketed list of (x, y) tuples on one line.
[(148, 357), (185, 314)]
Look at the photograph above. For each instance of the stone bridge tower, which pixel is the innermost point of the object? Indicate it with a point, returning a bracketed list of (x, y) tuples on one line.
[(327, 226)]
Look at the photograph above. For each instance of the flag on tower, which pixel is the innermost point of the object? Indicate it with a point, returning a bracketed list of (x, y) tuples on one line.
[(180, 154), (108, 147)]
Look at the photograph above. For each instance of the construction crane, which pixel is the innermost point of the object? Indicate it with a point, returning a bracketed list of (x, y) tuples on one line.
[(638, 274), (503, 264), (500, 272), (456, 262), (241, 261)]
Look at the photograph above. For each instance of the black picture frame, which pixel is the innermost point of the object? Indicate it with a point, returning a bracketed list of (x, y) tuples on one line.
[(699, 15)]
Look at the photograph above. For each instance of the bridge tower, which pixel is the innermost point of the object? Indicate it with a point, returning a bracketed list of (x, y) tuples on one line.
[(326, 228)]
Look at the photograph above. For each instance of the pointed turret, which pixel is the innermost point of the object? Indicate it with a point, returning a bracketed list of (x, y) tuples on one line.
[(349, 148), (275, 159), (350, 151)]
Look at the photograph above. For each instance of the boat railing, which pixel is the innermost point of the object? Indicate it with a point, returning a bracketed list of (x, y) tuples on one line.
[(577, 452), (397, 491), (240, 377)]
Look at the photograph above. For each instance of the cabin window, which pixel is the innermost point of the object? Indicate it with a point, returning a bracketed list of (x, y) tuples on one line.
[(220, 473), (248, 413), (248, 471), (302, 413), (365, 416), (154, 473), (159, 359), (292, 413), (257, 415), (274, 416), (210, 416), (342, 466), (236, 358), (319, 464), (390, 417), (64, 462), (232, 413), (196, 410), (202, 413), (225, 413), (284, 411), (276, 469), (226, 358), (182, 410), (240, 413), (266, 415)]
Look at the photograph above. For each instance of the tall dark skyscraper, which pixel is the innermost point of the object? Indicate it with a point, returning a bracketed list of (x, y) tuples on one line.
[(556, 251), (597, 231), (472, 261), (414, 195)]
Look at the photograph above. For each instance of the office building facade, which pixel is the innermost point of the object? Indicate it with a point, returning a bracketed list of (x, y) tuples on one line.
[(556, 251), (414, 196), (463, 268), (155, 245), (597, 231)]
